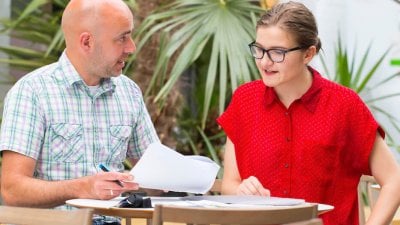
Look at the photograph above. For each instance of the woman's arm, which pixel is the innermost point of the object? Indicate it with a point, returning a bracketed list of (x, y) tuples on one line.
[(232, 183), (387, 173)]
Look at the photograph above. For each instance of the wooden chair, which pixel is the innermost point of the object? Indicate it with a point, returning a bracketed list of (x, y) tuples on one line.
[(248, 216), (365, 190), (315, 221), (39, 216)]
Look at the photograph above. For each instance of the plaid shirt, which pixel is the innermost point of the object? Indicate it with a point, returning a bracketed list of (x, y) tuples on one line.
[(52, 116)]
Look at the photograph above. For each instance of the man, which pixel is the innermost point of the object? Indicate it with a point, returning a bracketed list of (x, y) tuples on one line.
[(62, 120)]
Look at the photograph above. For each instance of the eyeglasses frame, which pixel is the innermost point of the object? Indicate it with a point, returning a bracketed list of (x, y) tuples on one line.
[(267, 51)]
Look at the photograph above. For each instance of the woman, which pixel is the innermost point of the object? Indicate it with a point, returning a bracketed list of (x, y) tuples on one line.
[(295, 134)]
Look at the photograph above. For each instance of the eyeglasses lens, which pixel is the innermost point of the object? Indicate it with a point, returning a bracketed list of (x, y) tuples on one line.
[(274, 55)]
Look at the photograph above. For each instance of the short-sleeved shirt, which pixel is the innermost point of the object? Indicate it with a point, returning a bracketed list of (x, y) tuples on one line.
[(52, 116), (315, 150)]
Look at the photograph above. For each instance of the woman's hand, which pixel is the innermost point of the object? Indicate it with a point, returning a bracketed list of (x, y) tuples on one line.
[(252, 186)]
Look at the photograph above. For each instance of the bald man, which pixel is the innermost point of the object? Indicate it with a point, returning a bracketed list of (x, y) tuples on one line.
[(64, 119)]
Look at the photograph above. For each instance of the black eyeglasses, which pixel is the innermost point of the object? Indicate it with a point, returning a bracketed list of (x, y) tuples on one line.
[(274, 54)]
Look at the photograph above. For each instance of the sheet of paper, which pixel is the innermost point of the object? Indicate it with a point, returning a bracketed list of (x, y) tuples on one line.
[(201, 203), (165, 169), (106, 204), (247, 200)]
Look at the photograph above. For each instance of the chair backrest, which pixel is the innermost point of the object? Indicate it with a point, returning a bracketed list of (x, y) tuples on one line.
[(246, 216), (315, 221), (365, 193), (39, 216)]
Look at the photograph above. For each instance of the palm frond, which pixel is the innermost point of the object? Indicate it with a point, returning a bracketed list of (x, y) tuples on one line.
[(372, 71), (210, 147), (190, 26), (31, 8)]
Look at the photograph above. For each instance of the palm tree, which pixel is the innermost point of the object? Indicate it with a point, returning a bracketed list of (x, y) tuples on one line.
[(38, 26), (203, 50), (206, 37)]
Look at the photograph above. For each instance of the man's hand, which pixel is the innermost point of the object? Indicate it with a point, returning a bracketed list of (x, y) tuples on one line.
[(104, 185)]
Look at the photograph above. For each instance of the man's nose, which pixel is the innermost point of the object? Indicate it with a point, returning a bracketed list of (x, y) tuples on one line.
[(131, 46)]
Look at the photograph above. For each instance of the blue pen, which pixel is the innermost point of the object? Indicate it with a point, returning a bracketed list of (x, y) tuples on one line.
[(105, 169)]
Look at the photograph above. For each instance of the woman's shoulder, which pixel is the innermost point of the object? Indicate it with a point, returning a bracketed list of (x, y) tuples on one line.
[(256, 86), (341, 97), (340, 91), (330, 86)]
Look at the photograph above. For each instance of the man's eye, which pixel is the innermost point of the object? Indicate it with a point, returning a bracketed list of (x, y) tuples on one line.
[(123, 39)]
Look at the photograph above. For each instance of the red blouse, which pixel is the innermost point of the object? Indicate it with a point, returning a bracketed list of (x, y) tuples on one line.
[(316, 149)]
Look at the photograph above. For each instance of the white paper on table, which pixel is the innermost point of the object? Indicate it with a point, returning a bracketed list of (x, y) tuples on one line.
[(165, 169), (250, 200), (94, 203)]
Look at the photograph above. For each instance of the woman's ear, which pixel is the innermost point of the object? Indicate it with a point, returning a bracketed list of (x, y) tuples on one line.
[(309, 54)]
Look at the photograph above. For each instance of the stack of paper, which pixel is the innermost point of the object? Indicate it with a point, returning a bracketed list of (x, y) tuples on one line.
[(165, 169)]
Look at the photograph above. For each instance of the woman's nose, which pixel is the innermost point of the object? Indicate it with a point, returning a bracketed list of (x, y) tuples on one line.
[(264, 61)]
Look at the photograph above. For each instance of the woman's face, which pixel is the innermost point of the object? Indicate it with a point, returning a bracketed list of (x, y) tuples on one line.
[(288, 72)]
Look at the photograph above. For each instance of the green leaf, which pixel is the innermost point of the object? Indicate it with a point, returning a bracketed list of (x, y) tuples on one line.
[(21, 52), (22, 63), (56, 43), (32, 7), (190, 26), (372, 71), (210, 147), (188, 56)]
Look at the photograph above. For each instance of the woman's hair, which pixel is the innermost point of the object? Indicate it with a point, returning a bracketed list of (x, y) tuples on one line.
[(295, 18)]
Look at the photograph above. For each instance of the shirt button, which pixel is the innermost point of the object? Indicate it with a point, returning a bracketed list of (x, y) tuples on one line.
[(286, 165), (285, 192), (286, 113), (288, 139)]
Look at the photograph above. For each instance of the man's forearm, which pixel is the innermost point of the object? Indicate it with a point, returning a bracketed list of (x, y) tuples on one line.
[(31, 192)]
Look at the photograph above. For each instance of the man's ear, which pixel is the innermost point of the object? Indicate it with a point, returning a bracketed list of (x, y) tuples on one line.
[(86, 41), (309, 54)]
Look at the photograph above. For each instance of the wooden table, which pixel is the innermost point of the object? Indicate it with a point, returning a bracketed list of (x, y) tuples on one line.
[(102, 207)]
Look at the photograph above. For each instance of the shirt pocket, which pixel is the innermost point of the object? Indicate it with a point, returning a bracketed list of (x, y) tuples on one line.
[(67, 142), (120, 135), (319, 161)]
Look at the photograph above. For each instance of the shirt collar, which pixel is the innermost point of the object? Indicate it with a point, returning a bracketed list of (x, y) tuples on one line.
[(70, 76), (69, 73), (309, 99)]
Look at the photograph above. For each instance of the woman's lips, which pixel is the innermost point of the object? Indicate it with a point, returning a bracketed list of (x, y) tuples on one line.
[(269, 72)]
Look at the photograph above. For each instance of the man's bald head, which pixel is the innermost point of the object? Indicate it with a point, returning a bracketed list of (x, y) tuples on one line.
[(98, 37), (88, 16)]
